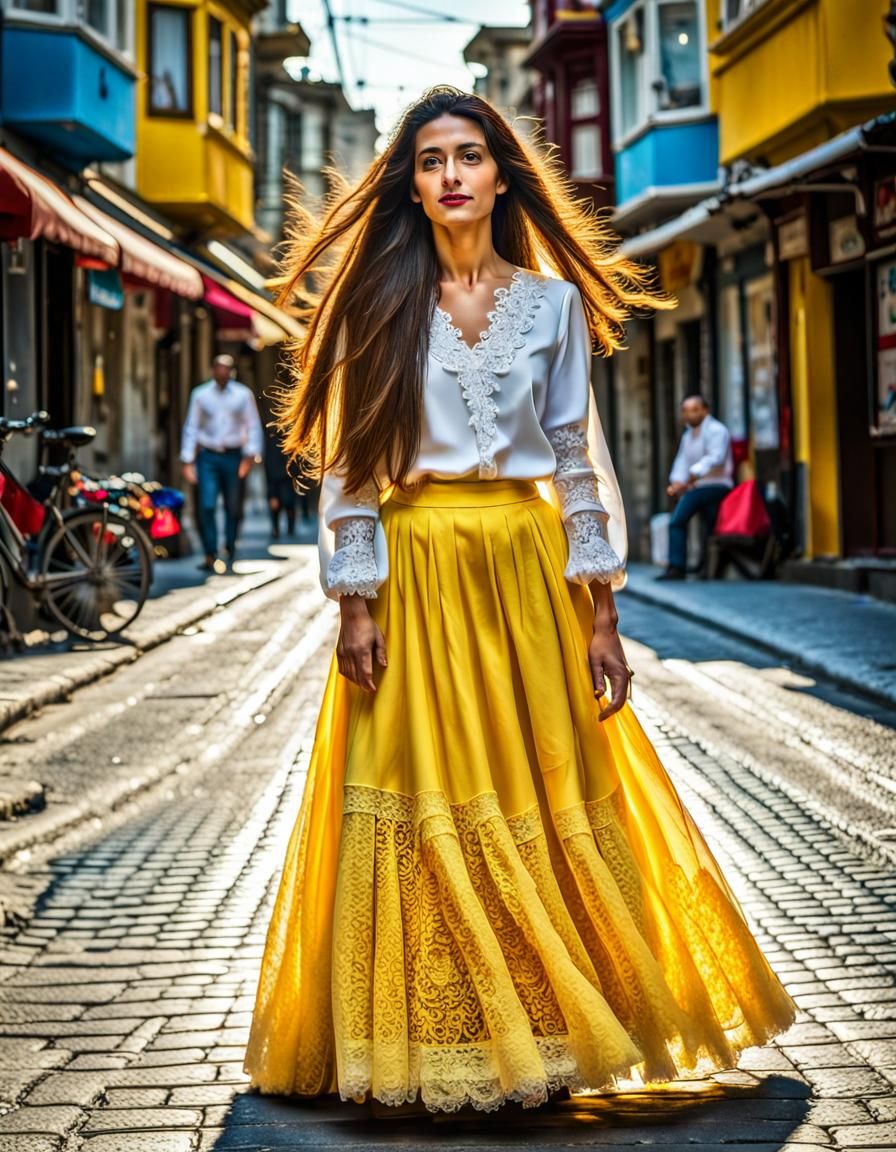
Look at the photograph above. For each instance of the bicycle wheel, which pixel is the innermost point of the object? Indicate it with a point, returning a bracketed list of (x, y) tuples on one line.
[(96, 570)]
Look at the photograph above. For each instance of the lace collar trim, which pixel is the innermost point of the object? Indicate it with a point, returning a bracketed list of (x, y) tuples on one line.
[(478, 367)]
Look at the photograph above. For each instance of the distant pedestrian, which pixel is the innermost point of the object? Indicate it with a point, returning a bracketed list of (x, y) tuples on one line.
[(282, 496), (701, 474), (222, 439)]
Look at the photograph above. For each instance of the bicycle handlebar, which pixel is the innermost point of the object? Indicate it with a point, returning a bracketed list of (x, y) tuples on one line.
[(35, 420)]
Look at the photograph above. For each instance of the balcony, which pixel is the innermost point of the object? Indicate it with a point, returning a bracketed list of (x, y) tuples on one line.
[(789, 74), (194, 157), (64, 87), (674, 163)]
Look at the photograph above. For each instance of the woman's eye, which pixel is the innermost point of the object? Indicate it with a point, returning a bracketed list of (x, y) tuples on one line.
[(471, 156)]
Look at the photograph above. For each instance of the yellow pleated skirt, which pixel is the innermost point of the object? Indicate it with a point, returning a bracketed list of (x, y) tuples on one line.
[(488, 894)]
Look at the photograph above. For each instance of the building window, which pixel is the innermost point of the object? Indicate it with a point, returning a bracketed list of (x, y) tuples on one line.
[(585, 134), (42, 7), (233, 105), (657, 64), (632, 64), (678, 85), (108, 19), (170, 71), (733, 11), (215, 67)]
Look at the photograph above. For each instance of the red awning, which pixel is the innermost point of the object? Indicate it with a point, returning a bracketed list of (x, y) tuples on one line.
[(32, 205), (142, 258), (233, 318)]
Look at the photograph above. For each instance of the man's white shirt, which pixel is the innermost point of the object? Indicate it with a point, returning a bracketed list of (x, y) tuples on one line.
[(704, 455), (221, 418)]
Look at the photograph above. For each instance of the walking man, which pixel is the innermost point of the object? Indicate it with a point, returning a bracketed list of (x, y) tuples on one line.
[(701, 475), (222, 439)]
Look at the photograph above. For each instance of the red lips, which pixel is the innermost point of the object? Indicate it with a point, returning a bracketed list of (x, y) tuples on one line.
[(454, 198)]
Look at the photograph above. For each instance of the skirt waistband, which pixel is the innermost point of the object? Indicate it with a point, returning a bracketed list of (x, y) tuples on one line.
[(432, 493)]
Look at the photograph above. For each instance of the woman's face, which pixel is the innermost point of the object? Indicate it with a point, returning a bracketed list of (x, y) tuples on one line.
[(456, 178)]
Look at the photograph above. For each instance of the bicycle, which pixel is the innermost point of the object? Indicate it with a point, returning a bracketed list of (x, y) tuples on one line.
[(89, 569)]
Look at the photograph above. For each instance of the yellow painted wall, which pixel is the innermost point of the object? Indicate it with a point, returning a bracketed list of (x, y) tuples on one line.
[(796, 72), (199, 169), (814, 404)]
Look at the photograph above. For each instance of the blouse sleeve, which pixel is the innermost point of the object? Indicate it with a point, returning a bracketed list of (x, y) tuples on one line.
[(351, 540), (583, 480)]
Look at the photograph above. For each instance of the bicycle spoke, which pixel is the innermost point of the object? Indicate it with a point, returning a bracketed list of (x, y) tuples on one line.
[(71, 539)]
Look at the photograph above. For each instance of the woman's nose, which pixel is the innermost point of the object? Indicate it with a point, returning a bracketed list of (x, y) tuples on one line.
[(448, 176)]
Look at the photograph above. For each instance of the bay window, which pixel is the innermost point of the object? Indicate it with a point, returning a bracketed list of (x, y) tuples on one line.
[(733, 11), (170, 53), (657, 64), (215, 67), (234, 52), (109, 20), (42, 7), (631, 70), (678, 85)]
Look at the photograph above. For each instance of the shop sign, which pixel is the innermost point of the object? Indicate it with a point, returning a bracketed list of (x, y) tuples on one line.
[(885, 207), (885, 400), (679, 265), (846, 240), (104, 287), (793, 238)]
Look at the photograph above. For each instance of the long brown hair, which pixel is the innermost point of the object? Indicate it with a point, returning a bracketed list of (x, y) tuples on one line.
[(365, 277)]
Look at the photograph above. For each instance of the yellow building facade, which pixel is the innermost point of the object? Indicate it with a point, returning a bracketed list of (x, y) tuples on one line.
[(787, 76), (791, 74), (194, 157)]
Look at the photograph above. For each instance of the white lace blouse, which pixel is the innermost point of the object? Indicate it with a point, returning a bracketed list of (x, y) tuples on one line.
[(517, 405)]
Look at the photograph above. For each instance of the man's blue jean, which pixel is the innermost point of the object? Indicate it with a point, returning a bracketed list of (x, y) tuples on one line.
[(217, 474), (704, 499)]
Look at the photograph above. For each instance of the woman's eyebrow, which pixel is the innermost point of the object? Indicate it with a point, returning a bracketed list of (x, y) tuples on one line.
[(459, 148)]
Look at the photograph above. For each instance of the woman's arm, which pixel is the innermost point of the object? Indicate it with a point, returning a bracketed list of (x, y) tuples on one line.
[(577, 482), (353, 566), (605, 654)]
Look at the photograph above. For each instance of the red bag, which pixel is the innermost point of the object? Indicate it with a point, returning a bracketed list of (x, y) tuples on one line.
[(25, 512), (164, 523), (743, 512)]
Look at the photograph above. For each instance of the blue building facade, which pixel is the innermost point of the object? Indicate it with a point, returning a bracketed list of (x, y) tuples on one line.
[(68, 89), (665, 137)]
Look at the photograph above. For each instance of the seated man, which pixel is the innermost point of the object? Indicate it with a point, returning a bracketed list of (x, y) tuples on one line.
[(701, 475)]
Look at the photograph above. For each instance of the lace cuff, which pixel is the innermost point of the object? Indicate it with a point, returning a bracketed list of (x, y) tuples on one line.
[(590, 554), (574, 477), (353, 569)]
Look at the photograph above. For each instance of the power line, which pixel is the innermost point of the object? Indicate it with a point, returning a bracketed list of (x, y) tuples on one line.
[(385, 47), (331, 28), (448, 17)]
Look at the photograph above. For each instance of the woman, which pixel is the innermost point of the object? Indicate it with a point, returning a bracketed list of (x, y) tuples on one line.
[(492, 890)]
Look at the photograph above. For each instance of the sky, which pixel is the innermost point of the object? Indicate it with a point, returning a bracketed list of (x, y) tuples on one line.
[(396, 48)]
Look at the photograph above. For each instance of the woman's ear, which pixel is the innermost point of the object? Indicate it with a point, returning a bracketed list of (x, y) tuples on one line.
[(415, 195), (502, 185)]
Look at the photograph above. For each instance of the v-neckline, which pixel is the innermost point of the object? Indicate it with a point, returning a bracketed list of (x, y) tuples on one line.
[(499, 297)]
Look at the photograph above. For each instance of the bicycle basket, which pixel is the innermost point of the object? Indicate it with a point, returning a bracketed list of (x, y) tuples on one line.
[(25, 512)]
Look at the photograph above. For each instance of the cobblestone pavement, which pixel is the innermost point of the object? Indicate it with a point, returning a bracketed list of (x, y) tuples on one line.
[(126, 988)]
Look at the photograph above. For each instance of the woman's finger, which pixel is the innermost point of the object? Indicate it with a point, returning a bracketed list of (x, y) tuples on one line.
[(364, 669), (618, 678), (380, 648), (597, 676)]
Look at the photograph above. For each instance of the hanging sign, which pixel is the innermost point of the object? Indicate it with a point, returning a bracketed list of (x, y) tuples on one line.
[(793, 238), (846, 240), (104, 288)]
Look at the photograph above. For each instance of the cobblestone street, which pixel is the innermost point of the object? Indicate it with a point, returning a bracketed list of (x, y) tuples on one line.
[(128, 968)]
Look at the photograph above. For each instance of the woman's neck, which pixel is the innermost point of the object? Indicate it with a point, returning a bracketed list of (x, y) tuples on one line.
[(469, 259)]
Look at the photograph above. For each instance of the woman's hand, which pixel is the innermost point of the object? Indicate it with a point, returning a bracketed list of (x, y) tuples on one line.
[(360, 642), (605, 653)]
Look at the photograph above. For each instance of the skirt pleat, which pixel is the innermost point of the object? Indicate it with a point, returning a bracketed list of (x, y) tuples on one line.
[(489, 894)]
